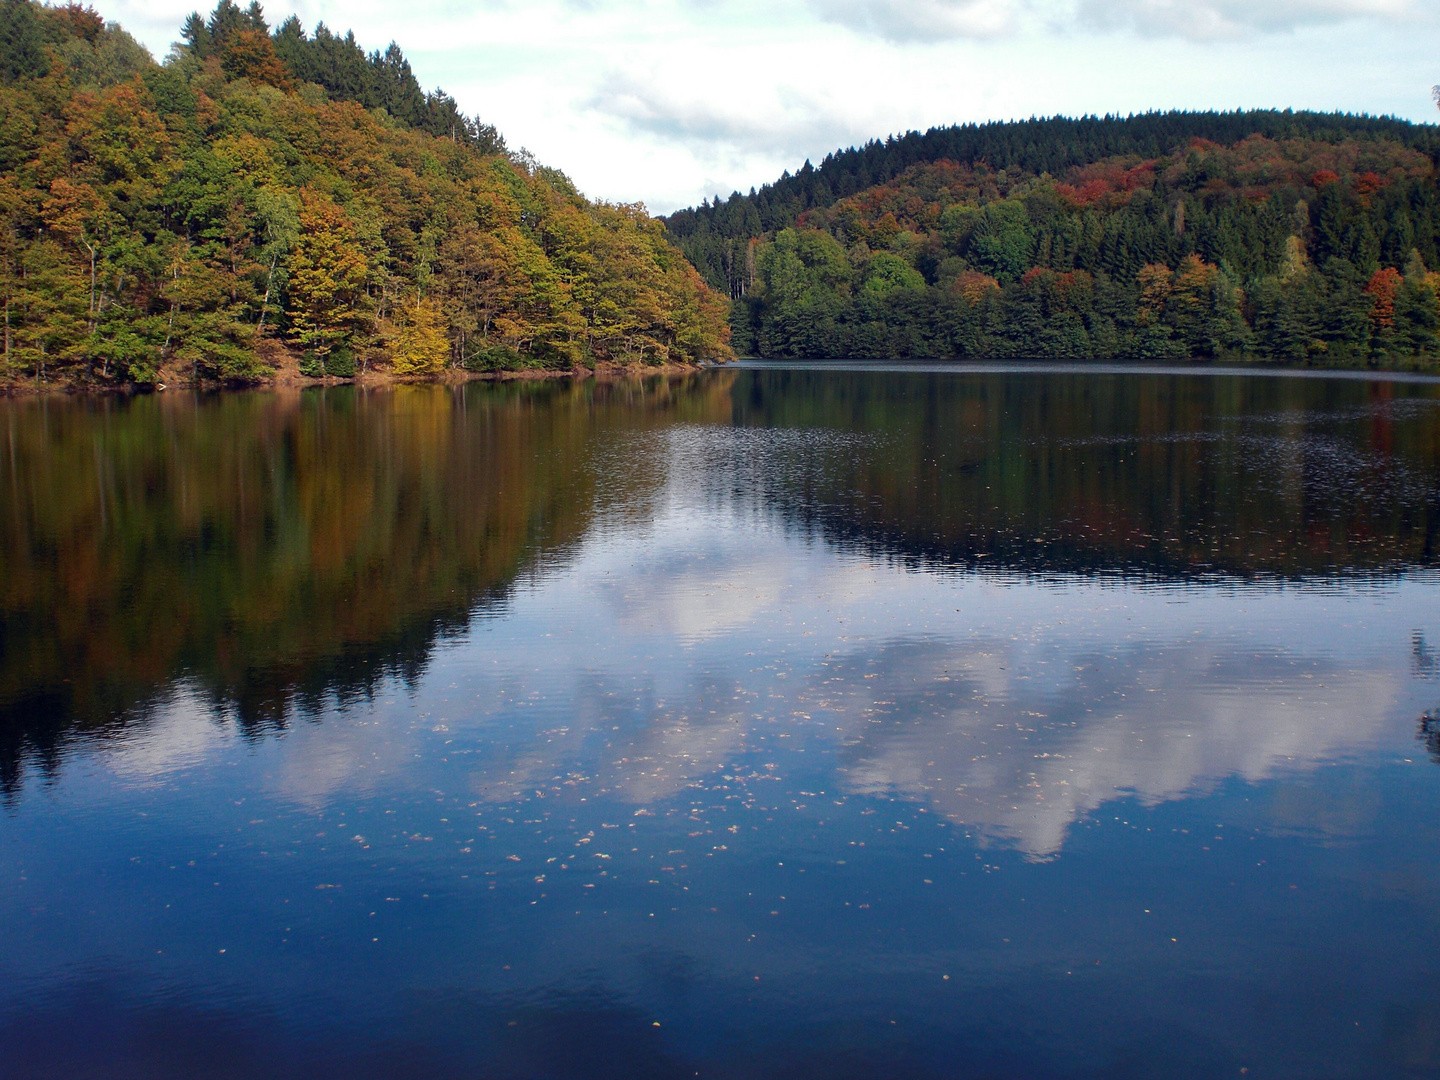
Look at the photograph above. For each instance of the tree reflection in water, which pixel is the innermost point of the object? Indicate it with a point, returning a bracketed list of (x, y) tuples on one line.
[(275, 552)]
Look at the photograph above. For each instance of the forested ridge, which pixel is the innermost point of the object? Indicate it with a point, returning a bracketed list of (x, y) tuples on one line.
[(270, 194), (1274, 235)]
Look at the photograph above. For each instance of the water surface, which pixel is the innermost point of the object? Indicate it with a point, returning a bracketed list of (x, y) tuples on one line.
[(775, 722)]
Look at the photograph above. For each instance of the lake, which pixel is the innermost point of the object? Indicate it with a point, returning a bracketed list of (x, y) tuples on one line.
[(780, 721)]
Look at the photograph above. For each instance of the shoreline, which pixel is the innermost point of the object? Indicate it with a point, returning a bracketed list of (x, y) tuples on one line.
[(1424, 372), (288, 377)]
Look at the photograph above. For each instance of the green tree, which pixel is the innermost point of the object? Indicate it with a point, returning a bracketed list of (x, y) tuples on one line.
[(22, 42), (1003, 242)]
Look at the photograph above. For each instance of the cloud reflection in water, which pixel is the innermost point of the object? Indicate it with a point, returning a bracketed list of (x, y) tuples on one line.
[(712, 621), (961, 694)]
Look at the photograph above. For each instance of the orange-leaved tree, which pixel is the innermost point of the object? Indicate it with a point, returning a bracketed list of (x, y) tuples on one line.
[(1383, 286)]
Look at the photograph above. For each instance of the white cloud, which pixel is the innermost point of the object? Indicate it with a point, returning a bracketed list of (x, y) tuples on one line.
[(179, 732), (1217, 20), (924, 20), (770, 118)]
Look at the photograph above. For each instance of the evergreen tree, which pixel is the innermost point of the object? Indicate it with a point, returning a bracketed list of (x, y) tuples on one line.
[(22, 42)]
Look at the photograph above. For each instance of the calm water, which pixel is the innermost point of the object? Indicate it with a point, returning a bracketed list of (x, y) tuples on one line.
[(769, 723)]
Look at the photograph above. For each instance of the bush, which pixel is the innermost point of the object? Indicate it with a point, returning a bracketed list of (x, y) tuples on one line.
[(496, 358), (340, 363)]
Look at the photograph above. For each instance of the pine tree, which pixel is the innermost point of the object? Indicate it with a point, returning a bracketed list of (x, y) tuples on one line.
[(22, 42)]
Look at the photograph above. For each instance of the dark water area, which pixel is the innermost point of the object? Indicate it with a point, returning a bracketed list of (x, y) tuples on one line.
[(771, 722)]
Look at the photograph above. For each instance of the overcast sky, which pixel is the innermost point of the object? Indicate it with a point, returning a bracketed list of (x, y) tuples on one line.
[(667, 101)]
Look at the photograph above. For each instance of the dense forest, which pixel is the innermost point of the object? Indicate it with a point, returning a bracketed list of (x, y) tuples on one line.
[(270, 196), (1295, 236)]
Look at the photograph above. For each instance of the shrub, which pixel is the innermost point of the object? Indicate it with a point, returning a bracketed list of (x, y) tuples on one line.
[(496, 358), (340, 363)]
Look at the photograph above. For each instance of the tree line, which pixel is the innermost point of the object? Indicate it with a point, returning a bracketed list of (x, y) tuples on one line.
[(262, 194), (1309, 237), (338, 64)]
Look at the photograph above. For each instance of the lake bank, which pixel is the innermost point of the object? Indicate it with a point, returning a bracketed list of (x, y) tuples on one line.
[(288, 375), (1260, 369)]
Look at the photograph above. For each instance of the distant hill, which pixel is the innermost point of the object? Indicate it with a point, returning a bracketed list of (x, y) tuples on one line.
[(1263, 233), (269, 195)]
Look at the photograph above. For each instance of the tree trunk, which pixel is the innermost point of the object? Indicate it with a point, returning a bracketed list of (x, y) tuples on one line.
[(174, 310), (264, 304), (92, 285)]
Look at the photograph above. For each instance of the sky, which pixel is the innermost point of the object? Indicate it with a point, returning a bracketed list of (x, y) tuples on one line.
[(667, 102)]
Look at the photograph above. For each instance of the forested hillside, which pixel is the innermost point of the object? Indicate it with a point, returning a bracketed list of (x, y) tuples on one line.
[(266, 189), (1274, 235)]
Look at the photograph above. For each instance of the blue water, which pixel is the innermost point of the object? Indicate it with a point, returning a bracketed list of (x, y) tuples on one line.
[(736, 782)]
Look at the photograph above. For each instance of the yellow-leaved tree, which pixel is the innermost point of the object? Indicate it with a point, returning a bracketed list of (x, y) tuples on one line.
[(327, 279), (421, 345)]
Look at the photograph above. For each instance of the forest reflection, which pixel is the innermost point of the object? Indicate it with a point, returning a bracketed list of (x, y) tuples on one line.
[(1164, 476), (275, 548), (275, 552)]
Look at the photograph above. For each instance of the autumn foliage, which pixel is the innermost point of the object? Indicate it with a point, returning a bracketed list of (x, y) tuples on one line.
[(1382, 288), (420, 346), (1312, 249), (162, 221)]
